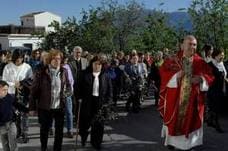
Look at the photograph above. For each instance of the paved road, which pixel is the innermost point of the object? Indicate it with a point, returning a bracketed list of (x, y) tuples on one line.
[(133, 132)]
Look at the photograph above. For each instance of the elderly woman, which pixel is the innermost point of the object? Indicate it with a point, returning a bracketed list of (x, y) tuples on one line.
[(49, 91), (217, 91), (95, 90)]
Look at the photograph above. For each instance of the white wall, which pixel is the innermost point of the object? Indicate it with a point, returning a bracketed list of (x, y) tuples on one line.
[(45, 19), (28, 21), (4, 42), (14, 41)]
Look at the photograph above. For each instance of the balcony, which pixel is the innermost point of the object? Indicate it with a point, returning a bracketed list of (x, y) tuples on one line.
[(14, 29)]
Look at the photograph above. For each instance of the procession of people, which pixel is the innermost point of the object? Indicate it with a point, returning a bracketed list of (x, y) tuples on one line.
[(189, 89)]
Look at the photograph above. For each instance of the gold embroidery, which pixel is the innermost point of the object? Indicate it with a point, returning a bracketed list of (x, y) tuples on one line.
[(184, 94)]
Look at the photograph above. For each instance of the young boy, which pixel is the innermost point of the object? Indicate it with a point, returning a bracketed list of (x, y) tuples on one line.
[(7, 124)]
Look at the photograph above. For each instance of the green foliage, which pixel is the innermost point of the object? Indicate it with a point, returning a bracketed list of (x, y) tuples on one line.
[(112, 27), (63, 37), (210, 22), (97, 31), (158, 34), (128, 23)]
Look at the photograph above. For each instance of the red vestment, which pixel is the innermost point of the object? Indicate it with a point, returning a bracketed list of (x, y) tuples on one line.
[(170, 97)]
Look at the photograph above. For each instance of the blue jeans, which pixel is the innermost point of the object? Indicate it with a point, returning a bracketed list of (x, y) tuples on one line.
[(69, 114)]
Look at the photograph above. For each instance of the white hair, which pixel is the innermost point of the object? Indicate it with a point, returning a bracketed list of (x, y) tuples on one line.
[(159, 53), (77, 48)]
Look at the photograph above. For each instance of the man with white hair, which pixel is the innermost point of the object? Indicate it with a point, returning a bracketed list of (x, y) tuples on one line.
[(77, 64)]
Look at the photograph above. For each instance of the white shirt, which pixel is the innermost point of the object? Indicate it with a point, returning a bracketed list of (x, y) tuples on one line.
[(96, 84), (13, 73), (220, 66), (55, 88)]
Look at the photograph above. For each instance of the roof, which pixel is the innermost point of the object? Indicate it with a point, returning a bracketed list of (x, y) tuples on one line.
[(32, 14), (18, 35)]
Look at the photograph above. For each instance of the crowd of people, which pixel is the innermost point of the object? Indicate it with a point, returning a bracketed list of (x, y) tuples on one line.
[(187, 87)]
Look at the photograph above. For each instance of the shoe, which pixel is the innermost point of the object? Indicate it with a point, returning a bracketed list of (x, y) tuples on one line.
[(127, 107), (219, 130), (96, 146), (18, 136), (70, 135), (83, 140), (44, 149), (135, 110), (51, 133), (22, 140), (25, 138), (170, 147), (83, 143), (211, 124)]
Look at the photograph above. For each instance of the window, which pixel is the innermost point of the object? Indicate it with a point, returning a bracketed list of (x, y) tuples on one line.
[(28, 45)]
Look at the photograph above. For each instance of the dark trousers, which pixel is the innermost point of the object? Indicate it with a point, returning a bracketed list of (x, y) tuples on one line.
[(88, 119), (156, 97), (45, 119), (115, 92), (134, 98)]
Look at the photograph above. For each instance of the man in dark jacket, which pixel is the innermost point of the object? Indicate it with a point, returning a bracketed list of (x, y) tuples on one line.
[(77, 64)]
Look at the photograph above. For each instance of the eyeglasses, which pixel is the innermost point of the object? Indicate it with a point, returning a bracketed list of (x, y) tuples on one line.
[(97, 63), (56, 58)]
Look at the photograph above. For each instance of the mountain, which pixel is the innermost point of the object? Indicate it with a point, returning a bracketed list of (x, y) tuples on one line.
[(175, 19), (178, 19)]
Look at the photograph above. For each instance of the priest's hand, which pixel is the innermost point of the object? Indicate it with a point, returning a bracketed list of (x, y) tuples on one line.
[(180, 75), (196, 79)]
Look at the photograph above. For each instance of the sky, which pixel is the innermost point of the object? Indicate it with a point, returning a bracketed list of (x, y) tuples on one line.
[(11, 10)]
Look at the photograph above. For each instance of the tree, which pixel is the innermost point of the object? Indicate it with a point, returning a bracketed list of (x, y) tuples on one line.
[(128, 23), (64, 37), (210, 23), (97, 30), (158, 34)]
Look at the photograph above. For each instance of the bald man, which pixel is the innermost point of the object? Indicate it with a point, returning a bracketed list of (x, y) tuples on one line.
[(184, 79)]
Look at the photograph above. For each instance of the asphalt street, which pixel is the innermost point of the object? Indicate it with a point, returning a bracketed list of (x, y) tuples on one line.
[(132, 132)]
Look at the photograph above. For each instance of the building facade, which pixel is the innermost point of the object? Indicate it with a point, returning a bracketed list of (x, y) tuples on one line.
[(24, 35), (40, 19)]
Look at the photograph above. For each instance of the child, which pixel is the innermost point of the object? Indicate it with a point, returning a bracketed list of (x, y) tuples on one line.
[(7, 124)]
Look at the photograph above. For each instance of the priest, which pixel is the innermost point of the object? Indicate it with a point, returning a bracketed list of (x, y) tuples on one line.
[(185, 77)]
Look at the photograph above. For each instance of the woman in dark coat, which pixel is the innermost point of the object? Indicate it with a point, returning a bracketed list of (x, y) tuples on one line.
[(95, 90), (217, 91)]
